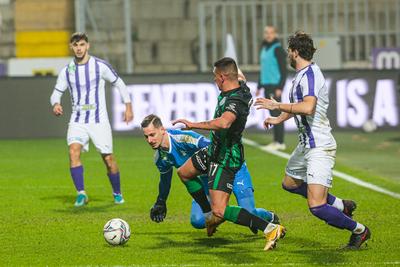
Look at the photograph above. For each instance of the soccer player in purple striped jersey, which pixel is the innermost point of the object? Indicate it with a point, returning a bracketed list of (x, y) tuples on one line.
[(309, 169), (85, 78)]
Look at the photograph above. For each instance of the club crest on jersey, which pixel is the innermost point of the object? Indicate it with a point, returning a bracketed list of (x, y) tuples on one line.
[(71, 67)]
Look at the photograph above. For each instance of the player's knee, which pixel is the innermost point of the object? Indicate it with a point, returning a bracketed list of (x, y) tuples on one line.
[(198, 221), (290, 188), (74, 154), (182, 175), (286, 188)]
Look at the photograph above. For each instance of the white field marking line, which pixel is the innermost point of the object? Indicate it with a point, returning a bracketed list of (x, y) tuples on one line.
[(339, 174)]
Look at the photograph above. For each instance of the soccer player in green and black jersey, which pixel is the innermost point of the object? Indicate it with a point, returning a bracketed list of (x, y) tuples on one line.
[(225, 155)]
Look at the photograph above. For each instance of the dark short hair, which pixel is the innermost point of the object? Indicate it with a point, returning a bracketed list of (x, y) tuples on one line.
[(228, 67), (303, 43), (151, 119), (77, 36)]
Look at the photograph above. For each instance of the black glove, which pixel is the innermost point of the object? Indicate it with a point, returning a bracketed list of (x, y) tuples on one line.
[(159, 211)]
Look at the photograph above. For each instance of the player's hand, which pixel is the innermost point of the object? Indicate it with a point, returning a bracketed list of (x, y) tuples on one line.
[(188, 124), (57, 109), (159, 211), (270, 121), (128, 115), (265, 103)]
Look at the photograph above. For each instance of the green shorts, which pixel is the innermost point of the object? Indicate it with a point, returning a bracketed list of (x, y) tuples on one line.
[(219, 177)]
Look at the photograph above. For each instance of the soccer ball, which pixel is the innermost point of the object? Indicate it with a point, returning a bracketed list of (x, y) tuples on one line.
[(116, 232), (369, 126)]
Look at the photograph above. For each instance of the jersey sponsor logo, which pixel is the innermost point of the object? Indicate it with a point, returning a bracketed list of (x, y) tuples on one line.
[(240, 183), (84, 107)]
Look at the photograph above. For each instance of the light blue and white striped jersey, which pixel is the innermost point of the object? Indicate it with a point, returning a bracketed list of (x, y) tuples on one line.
[(86, 84), (315, 130), (182, 145)]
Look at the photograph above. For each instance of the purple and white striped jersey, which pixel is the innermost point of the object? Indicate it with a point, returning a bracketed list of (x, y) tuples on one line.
[(86, 85), (314, 130)]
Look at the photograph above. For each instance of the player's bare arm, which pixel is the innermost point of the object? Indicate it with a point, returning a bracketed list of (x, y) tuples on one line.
[(307, 107), (57, 109), (223, 122), (128, 115)]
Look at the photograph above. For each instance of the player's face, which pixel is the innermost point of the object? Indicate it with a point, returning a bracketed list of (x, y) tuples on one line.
[(269, 34), (80, 49), (154, 136), (292, 55)]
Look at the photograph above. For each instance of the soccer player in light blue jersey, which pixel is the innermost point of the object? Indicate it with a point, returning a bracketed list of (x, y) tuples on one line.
[(172, 149)]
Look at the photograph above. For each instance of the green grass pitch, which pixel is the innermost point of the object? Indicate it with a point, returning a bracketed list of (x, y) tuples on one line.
[(40, 226)]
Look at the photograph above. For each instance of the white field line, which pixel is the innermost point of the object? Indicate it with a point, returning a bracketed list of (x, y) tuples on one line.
[(344, 176)]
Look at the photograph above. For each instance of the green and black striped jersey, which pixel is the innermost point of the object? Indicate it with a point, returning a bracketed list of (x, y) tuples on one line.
[(226, 145)]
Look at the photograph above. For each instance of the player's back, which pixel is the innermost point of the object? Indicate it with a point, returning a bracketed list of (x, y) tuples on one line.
[(182, 145)]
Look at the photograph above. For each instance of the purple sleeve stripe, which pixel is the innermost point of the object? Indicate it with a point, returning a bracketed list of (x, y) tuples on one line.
[(311, 81), (109, 66), (115, 80)]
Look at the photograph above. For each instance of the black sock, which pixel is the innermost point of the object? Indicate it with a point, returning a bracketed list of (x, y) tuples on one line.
[(201, 199), (247, 219)]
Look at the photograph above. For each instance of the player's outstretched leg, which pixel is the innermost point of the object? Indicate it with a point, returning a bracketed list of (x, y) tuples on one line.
[(334, 217), (114, 177), (273, 232), (346, 206), (245, 199)]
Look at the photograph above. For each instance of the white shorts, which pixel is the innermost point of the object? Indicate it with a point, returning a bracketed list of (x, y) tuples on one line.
[(312, 165), (99, 133)]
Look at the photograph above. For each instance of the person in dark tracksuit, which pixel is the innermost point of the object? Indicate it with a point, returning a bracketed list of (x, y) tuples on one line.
[(272, 78)]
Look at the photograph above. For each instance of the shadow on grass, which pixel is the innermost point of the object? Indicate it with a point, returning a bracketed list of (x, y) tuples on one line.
[(317, 253), (394, 139), (228, 250), (69, 207)]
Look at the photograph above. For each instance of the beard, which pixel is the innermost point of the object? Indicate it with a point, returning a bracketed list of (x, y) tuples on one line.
[(292, 63), (80, 58)]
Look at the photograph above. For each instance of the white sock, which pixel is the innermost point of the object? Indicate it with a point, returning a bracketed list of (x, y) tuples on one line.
[(208, 215), (359, 228), (269, 228), (338, 203), (82, 192)]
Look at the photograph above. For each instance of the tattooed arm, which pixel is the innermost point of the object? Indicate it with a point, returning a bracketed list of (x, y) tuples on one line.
[(223, 122)]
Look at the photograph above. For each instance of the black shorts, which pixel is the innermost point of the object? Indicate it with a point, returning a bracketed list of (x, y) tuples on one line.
[(219, 177)]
